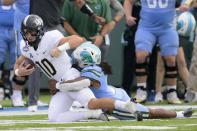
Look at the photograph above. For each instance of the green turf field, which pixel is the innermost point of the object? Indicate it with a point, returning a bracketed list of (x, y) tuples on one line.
[(24, 120)]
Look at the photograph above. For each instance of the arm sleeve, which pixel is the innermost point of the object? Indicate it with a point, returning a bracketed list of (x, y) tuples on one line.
[(91, 74)]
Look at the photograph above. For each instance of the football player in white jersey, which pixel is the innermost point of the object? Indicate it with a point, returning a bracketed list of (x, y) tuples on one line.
[(48, 51)]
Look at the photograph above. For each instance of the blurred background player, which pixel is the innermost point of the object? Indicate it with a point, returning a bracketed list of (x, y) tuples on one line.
[(152, 25), (7, 44)]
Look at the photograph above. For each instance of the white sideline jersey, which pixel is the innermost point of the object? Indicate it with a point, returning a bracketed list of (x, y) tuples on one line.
[(57, 68)]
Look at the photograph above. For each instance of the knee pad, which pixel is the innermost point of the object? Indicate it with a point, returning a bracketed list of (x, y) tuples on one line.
[(170, 71), (20, 80), (142, 67)]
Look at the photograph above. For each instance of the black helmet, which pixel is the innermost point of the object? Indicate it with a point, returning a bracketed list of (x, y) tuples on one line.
[(32, 23)]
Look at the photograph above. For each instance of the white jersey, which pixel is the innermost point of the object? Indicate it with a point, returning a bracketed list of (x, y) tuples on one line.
[(55, 68)]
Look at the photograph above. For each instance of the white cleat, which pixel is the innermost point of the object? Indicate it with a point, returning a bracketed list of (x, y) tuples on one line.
[(32, 108), (41, 103), (172, 98), (17, 101), (190, 97), (141, 95), (158, 97)]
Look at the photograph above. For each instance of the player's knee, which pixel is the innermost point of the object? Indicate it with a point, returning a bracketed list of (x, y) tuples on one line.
[(93, 104), (141, 69), (171, 71), (170, 61), (141, 57), (20, 80)]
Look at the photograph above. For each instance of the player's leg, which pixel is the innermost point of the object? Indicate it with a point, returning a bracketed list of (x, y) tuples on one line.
[(59, 109), (163, 113), (12, 59), (87, 99), (144, 41), (168, 41), (34, 90), (17, 82), (159, 78), (3, 50), (17, 85), (182, 65), (191, 94)]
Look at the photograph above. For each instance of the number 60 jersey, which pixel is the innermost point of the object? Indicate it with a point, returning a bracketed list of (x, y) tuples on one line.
[(54, 68)]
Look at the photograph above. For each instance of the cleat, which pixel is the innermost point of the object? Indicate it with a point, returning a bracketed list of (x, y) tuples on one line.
[(188, 112), (172, 97), (103, 117), (32, 108), (158, 97), (41, 103), (138, 116), (141, 95), (190, 97), (17, 102)]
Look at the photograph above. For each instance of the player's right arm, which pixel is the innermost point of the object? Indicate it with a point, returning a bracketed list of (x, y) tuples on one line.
[(20, 69), (128, 6), (67, 43)]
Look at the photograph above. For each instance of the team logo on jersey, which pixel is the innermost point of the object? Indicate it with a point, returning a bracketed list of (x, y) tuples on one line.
[(26, 48)]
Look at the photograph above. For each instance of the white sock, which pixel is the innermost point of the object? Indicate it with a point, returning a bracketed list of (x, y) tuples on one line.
[(120, 105), (142, 84), (17, 93), (179, 114), (171, 87)]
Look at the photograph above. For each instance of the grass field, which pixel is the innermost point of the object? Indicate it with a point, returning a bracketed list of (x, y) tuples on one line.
[(23, 120)]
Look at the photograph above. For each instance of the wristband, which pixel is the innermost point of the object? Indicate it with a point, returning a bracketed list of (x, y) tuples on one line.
[(115, 21), (64, 47), (16, 72)]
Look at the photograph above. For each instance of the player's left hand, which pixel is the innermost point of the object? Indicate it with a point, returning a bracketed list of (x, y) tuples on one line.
[(97, 40), (55, 52)]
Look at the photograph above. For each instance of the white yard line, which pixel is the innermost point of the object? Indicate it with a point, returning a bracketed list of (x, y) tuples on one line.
[(44, 112)]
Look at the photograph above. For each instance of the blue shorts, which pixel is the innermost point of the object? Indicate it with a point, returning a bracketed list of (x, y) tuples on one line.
[(168, 40), (7, 44)]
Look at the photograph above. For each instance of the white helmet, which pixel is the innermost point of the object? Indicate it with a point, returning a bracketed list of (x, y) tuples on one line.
[(86, 54)]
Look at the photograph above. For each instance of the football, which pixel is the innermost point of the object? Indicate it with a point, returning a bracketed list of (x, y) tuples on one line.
[(186, 24), (30, 62)]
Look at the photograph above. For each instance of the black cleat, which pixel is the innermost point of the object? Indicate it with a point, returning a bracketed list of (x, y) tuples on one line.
[(139, 116), (188, 112)]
